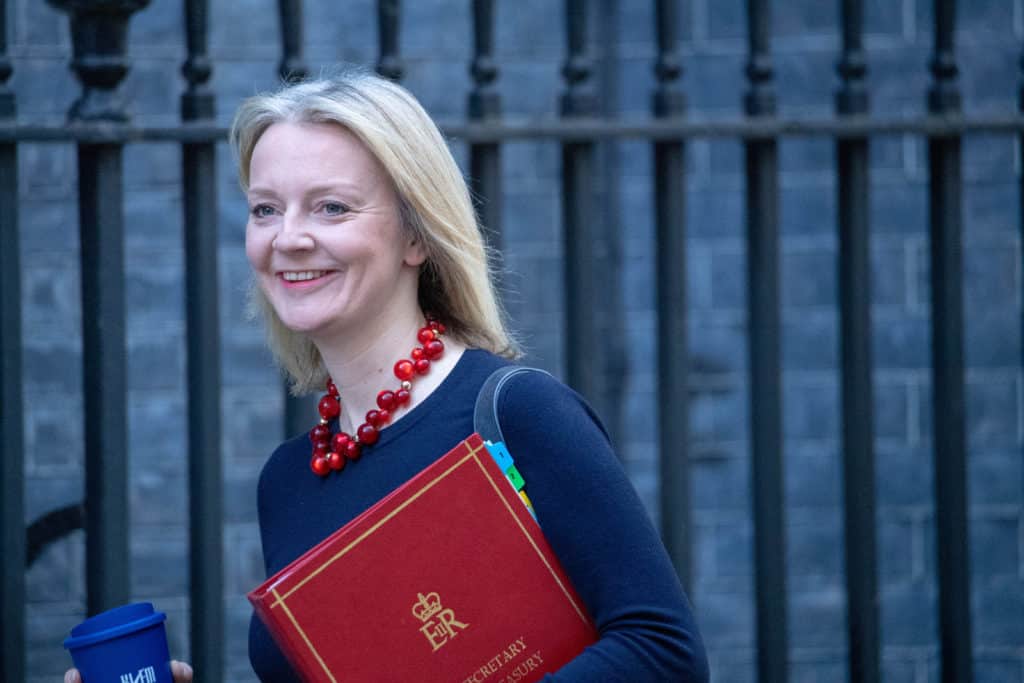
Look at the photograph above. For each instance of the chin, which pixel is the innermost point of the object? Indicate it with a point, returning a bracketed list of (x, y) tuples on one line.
[(303, 325), (297, 319)]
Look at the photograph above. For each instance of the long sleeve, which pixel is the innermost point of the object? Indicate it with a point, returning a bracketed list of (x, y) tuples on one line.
[(602, 534)]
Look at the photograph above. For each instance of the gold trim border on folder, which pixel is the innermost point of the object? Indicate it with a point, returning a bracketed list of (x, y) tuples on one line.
[(302, 633)]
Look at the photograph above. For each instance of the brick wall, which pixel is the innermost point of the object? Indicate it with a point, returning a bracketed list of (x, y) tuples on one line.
[(530, 48)]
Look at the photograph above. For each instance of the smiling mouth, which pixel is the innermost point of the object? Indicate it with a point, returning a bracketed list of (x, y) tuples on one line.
[(302, 275)]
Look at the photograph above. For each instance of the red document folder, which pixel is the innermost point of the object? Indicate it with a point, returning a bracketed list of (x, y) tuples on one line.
[(448, 578)]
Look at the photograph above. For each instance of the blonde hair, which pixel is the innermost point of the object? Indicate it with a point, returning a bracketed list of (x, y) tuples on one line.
[(455, 283)]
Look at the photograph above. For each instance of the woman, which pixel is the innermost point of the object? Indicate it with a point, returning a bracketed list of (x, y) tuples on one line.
[(360, 227)]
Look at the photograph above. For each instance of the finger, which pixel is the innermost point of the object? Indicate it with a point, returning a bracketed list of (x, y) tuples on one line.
[(72, 676), (181, 671)]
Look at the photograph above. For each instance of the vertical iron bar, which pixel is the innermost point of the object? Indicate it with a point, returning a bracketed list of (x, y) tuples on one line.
[(947, 360), (670, 248), (855, 339), (99, 31), (485, 106), (12, 446), (608, 247), (292, 67), (762, 175), (389, 14), (1020, 179), (201, 304), (578, 177), (101, 220)]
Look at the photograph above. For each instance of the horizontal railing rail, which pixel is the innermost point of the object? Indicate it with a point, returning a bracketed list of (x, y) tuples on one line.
[(509, 130)]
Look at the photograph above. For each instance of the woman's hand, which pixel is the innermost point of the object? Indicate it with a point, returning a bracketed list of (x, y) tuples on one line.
[(181, 671)]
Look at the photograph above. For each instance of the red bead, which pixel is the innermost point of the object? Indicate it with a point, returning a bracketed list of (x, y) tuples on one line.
[(422, 366), (319, 466), (404, 370), (378, 418), (339, 440), (386, 400), (368, 434), (433, 349), (335, 461), (424, 335), (329, 407), (437, 327), (332, 389), (402, 397), (320, 449), (320, 433), (353, 450), (417, 353)]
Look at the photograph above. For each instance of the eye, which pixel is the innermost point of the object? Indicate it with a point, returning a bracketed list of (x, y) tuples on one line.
[(334, 208), (262, 210)]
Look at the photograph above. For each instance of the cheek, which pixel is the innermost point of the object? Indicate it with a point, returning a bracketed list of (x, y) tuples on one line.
[(257, 248)]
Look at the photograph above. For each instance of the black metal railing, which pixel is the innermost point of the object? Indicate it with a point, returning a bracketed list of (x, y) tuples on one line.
[(762, 176), (99, 126), (203, 349), (673, 356), (484, 107), (99, 34), (944, 214), (858, 439), (12, 476), (579, 100)]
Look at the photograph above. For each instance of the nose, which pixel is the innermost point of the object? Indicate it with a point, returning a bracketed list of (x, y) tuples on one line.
[(293, 235)]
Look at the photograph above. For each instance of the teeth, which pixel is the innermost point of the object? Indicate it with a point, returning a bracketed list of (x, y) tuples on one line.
[(300, 276)]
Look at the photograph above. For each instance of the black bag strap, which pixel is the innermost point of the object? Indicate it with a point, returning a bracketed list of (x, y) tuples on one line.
[(485, 415)]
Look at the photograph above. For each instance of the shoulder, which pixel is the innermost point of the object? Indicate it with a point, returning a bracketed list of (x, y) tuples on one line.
[(536, 404), (285, 454), (558, 442), (476, 365)]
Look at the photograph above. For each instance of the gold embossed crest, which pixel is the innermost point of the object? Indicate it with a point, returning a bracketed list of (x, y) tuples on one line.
[(439, 623)]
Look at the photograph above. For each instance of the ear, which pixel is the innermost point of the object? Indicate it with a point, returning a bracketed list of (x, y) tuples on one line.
[(415, 254)]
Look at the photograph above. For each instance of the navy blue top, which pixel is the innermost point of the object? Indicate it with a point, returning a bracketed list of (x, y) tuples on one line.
[(590, 514)]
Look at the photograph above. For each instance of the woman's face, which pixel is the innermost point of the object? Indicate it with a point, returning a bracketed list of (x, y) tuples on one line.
[(324, 236)]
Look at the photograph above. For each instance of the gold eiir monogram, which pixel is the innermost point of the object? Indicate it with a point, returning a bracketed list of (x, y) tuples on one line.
[(439, 623)]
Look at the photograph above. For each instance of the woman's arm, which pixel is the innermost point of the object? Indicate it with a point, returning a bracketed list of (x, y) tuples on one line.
[(600, 531)]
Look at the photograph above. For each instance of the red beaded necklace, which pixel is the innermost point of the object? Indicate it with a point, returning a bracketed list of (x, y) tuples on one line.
[(330, 452)]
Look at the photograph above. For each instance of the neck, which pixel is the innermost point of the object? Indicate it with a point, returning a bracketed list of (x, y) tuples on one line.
[(362, 364)]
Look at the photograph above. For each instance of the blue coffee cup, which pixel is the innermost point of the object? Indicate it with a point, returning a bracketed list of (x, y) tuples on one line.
[(127, 644)]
